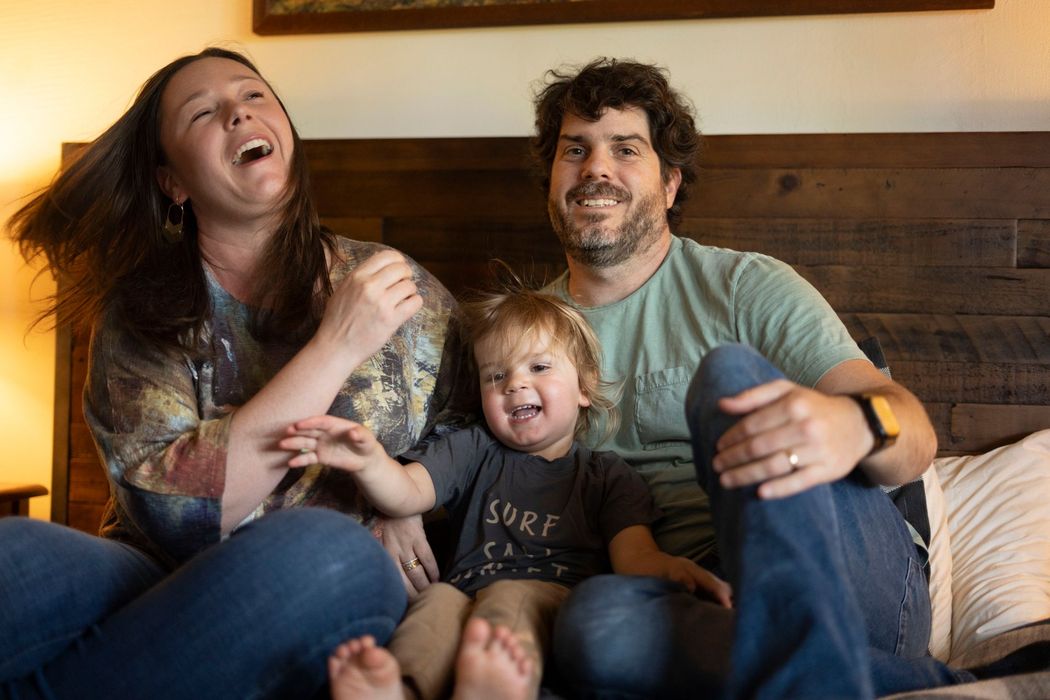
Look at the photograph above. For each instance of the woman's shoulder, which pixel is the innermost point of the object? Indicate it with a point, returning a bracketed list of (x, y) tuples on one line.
[(352, 253), (349, 253)]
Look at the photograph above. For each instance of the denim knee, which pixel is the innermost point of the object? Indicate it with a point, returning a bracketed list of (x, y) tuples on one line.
[(595, 643), (323, 559), (56, 582), (725, 371), (23, 536)]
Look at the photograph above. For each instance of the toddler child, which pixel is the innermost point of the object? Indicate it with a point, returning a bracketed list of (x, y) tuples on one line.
[(533, 511)]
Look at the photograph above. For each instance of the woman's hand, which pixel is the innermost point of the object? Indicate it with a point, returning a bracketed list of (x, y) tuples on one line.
[(405, 541), (369, 305)]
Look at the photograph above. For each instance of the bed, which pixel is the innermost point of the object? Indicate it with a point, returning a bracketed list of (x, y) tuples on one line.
[(938, 245)]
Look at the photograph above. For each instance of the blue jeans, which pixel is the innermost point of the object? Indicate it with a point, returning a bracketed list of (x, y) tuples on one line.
[(830, 599), (252, 617)]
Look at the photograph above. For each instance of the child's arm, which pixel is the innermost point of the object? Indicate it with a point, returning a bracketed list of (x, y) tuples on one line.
[(336, 442), (633, 551)]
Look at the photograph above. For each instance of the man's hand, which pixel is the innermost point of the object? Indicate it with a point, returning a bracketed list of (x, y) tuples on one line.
[(406, 543), (790, 439)]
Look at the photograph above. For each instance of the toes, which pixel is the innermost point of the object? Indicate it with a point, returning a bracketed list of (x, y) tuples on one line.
[(477, 632)]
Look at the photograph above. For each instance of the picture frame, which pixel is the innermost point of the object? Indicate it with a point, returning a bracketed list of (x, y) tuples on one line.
[(271, 17)]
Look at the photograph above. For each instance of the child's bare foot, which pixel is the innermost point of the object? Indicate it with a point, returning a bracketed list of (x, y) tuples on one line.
[(491, 664), (360, 669)]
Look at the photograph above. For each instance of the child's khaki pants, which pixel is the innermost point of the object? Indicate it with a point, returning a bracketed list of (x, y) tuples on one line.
[(426, 641)]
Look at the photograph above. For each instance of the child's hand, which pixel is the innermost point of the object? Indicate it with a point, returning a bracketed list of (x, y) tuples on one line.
[(335, 442), (686, 572)]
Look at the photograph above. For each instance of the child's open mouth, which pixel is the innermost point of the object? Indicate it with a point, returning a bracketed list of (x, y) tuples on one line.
[(525, 412)]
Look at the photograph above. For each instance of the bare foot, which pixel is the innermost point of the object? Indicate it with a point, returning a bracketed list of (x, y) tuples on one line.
[(491, 665), (360, 669)]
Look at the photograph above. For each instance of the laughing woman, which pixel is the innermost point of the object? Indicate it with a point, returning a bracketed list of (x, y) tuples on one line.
[(222, 312)]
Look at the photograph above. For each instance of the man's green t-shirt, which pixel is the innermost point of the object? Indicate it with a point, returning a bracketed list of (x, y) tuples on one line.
[(653, 340)]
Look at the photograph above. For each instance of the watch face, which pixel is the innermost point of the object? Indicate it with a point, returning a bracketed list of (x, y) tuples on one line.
[(881, 408)]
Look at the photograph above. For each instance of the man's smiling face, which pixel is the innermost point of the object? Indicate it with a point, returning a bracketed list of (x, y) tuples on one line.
[(608, 198)]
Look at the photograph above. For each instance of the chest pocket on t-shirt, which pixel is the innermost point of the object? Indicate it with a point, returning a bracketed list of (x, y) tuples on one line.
[(659, 407)]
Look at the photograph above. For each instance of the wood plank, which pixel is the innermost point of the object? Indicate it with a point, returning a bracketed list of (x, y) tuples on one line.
[(887, 150), (81, 443), (914, 150), (980, 427), (341, 156), (83, 448), (86, 517), (882, 242), (1033, 243), (461, 278), (514, 240), (978, 382), (428, 194), (948, 193), (87, 483), (359, 229), (955, 338), (458, 251), (78, 375), (62, 409), (941, 418), (465, 278), (947, 290), (970, 436)]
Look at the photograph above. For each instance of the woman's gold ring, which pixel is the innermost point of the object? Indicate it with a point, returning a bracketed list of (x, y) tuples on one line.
[(410, 564)]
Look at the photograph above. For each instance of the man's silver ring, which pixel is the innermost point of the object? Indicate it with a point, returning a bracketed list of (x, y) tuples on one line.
[(792, 460), (410, 564)]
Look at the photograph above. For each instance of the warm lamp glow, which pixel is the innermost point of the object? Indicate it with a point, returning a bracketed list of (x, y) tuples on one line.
[(27, 381)]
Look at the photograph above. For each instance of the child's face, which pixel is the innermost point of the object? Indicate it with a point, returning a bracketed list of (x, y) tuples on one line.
[(531, 401)]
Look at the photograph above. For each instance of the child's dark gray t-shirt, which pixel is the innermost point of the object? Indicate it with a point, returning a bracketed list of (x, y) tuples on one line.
[(517, 516)]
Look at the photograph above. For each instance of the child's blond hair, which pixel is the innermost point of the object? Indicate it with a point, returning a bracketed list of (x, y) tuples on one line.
[(514, 314)]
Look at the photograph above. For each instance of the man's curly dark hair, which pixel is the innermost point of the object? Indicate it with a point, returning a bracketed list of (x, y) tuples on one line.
[(618, 84)]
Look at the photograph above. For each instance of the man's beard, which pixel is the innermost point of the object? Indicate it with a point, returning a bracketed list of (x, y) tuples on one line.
[(593, 244)]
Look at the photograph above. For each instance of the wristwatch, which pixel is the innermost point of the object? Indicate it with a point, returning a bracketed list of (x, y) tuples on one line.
[(881, 419)]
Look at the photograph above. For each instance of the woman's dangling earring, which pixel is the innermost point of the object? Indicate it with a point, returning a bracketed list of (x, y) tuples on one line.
[(173, 221)]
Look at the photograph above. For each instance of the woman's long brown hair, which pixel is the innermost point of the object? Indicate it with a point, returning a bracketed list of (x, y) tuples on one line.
[(100, 226)]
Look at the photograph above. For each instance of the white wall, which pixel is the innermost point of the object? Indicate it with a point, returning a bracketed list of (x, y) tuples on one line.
[(68, 68)]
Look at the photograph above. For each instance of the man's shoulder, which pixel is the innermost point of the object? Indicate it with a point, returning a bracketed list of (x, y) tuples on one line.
[(693, 252), (700, 261)]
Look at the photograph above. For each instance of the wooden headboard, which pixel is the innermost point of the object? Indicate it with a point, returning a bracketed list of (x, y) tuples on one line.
[(937, 244)]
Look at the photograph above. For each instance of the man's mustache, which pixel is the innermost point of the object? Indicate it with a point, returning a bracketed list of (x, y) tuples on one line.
[(592, 190)]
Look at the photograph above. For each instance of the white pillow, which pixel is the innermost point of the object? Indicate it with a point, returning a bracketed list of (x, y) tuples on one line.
[(998, 507), (940, 567)]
